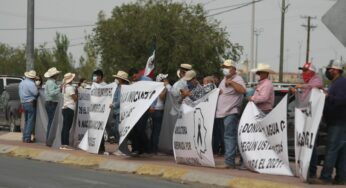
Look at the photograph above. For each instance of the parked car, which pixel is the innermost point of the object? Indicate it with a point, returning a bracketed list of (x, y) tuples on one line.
[(11, 112)]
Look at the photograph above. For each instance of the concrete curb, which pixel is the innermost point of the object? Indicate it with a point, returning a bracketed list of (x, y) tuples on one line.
[(166, 172)]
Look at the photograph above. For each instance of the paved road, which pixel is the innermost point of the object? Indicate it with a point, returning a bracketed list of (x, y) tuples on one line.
[(17, 172)]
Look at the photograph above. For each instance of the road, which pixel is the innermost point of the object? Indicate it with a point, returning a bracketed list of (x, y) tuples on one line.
[(18, 172)]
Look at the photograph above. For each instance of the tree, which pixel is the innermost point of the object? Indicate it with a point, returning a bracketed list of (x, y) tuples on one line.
[(12, 60), (88, 65), (184, 34), (63, 60)]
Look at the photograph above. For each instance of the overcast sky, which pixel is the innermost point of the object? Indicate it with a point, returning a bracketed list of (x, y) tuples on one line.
[(55, 13)]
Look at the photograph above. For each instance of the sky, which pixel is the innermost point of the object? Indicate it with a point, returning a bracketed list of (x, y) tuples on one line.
[(56, 13)]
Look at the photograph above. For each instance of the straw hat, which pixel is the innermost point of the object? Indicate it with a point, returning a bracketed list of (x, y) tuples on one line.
[(68, 77), (30, 74), (51, 72), (122, 75), (263, 68), (189, 75), (228, 63), (185, 67), (334, 64)]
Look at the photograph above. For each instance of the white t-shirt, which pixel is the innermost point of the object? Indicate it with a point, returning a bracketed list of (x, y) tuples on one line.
[(68, 91)]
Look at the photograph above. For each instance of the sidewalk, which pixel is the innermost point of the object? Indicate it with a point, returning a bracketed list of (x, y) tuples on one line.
[(162, 166)]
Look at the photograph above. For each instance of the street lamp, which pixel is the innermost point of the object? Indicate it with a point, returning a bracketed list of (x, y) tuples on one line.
[(257, 33)]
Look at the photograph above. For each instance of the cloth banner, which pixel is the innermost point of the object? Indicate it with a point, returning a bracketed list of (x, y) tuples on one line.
[(135, 100), (167, 128), (262, 139), (307, 121), (82, 115), (193, 132), (100, 99)]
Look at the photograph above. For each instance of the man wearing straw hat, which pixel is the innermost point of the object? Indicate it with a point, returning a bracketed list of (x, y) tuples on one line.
[(52, 91), (69, 106), (264, 93), (232, 89), (28, 94), (121, 78)]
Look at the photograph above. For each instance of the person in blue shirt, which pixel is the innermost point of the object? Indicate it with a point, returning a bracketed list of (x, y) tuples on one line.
[(334, 115), (28, 94)]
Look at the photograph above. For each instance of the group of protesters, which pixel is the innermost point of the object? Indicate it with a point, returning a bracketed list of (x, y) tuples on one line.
[(188, 89)]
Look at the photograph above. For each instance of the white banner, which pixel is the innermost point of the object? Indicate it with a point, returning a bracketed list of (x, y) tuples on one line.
[(307, 121), (100, 99), (262, 139), (193, 132), (82, 115), (135, 100)]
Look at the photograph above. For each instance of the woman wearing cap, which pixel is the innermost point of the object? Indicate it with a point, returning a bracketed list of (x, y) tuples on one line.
[(52, 92), (69, 106), (264, 93)]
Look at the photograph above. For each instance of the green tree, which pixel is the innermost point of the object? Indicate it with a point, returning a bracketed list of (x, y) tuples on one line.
[(87, 65), (12, 60), (44, 59), (184, 34), (63, 60)]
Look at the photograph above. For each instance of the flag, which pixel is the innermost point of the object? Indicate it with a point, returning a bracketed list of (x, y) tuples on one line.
[(150, 66)]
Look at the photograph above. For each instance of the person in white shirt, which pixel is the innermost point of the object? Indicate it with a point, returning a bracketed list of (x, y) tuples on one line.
[(69, 106)]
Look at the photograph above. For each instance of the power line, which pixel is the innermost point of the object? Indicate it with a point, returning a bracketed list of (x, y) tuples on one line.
[(224, 7), (46, 28), (236, 8)]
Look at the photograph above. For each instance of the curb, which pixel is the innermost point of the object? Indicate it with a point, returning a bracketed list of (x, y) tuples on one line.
[(165, 172)]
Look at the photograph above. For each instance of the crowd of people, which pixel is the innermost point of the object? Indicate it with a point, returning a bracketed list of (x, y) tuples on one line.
[(188, 89)]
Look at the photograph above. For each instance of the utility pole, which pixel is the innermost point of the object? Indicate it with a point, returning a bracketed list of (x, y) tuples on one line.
[(282, 38), (309, 28), (257, 33), (252, 42), (30, 35)]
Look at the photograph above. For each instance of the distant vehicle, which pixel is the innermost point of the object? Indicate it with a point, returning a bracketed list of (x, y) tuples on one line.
[(11, 112)]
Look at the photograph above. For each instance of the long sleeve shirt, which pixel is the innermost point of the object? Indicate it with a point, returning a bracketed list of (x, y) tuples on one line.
[(335, 103), (314, 82), (28, 91), (116, 100), (52, 90), (264, 95)]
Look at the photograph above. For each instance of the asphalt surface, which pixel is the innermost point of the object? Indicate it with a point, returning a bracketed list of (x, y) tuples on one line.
[(157, 166), (18, 172)]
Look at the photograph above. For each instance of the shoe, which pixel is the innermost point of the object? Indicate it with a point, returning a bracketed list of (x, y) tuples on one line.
[(27, 141), (106, 153), (320, 181), (135, 154), (64, 147), (118, 153), (111, 140), (339, 182), (226, 166), (242, 167)]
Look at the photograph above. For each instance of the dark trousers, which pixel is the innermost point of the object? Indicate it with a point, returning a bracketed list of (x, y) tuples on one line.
[(50, 108), (67, 114), (217, 139), (139, 139), (157, 117)]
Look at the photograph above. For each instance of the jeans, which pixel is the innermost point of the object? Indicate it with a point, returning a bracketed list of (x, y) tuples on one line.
[(313, 162), (335, 152), (30, 119), (50, 108), (217, 140), (157, 117), (67, 114), (115, 128), (230, 137)]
